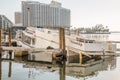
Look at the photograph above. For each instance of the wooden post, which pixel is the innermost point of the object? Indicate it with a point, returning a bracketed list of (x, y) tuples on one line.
[(80, 58), (62, 40), (0, 43), (0, 37), (0, 55), (9, 36), (62, 47), (10, 52)]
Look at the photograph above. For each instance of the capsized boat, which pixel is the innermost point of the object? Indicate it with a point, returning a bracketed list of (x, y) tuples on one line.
[(45, 38)]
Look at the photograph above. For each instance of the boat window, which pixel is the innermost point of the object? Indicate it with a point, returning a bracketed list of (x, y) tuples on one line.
[(85, 40), (48, 32), (33, 41)]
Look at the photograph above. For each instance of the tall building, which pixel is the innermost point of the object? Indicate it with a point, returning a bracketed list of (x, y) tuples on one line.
[(45, 15), (5, 22), (18, 17)]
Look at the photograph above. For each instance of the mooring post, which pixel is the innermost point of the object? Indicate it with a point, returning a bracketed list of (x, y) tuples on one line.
[(62, 47), (62, 41), (0, 43), (9, 38), (80, 58), (0, 55)]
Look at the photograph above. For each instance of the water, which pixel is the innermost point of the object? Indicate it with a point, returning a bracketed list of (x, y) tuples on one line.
[(20, 69)]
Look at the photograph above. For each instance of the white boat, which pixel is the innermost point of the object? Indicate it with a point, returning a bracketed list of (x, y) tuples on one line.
[(44, 38)]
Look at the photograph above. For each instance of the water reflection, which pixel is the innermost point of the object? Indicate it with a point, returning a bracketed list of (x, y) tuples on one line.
[(0, 69), (92, 68), (10, 69), (60, 71)]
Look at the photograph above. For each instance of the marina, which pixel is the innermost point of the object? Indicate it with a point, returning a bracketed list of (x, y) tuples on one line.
[(47, 42), (78, 66)]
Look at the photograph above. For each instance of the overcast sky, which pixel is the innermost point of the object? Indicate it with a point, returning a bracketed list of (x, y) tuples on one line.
[(84, 13)]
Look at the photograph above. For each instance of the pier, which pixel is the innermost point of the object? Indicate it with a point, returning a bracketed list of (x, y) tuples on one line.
[(54, 53), (22, 51)]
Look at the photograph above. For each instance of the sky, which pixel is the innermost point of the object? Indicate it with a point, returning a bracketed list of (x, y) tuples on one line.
[(84, 13)]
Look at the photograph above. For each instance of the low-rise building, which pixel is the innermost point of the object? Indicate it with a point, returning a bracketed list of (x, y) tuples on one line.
[(5, 22)]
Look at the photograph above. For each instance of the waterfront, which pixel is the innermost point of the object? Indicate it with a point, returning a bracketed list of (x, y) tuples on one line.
[(23, 70), (20, 69)]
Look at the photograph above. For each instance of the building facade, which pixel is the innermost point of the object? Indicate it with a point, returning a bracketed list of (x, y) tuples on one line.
[(18, 17), (45, 15), (5, 23)]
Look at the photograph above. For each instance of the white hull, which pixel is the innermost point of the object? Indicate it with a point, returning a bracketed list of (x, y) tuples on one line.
[(42, 38)]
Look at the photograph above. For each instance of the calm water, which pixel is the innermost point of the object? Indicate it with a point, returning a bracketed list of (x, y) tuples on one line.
[(20, 69)]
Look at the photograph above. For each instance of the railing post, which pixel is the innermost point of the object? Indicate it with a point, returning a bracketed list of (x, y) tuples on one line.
[(80, 58)]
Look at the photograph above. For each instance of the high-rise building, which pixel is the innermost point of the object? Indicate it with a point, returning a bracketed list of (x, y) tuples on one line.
[(5, 22), (45, 15), (18, 17)]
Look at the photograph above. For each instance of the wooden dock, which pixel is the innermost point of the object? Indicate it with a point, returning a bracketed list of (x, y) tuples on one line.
[(4, 48)]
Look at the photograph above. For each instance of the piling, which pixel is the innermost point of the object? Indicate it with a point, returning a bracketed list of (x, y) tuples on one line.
[(0, 55), (62, 47), (9, 38), (0, 43), (62, 41)]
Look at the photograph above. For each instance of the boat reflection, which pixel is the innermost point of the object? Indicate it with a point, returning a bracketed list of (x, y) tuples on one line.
[(92, 68), (62, 69)]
